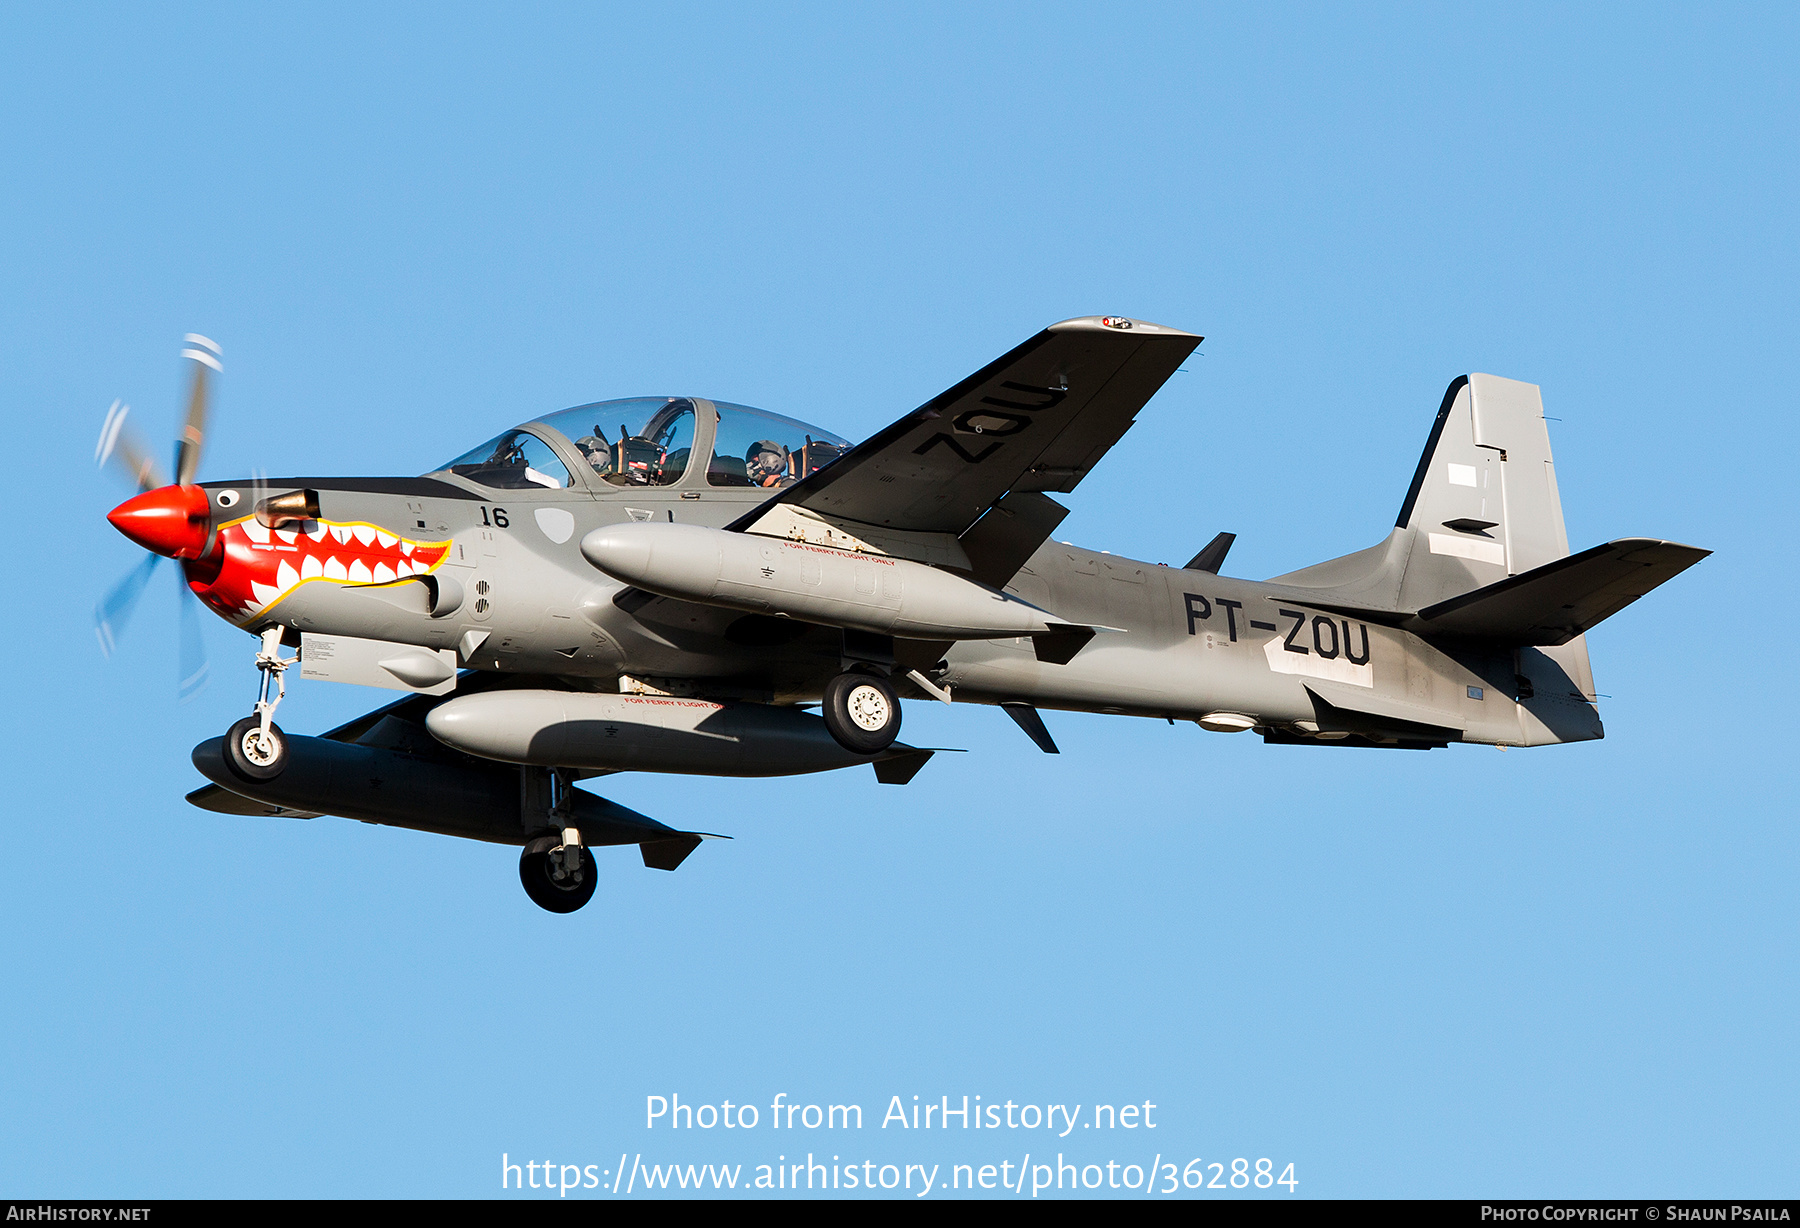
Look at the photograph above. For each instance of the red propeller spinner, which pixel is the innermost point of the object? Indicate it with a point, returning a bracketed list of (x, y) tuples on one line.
[(170, 521)]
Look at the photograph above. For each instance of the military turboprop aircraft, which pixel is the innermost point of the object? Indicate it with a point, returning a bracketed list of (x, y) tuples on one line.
[(669, 584)]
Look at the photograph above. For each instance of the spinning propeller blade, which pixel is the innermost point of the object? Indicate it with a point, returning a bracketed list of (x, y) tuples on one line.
[(115, 609), (259, 488), (193, 645), (121, 445), (157, 521), (189, 444)]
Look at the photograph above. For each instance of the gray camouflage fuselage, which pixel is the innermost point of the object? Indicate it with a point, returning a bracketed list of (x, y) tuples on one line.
[(1188, 643)]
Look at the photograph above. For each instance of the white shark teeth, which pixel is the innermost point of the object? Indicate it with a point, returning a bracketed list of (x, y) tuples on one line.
[(363, 533), (386, 539), (264, 593), (317, 532), (341, 533), (334, 570), (406, 548), (310, 567), (288, 536), (403, 568), (382, 573), (286, 577), (255, 531), (359, 573)]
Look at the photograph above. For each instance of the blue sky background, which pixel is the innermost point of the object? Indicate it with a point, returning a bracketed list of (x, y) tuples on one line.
[(1568, 971)]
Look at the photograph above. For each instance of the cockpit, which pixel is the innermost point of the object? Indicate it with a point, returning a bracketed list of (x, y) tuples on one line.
[(652, 441)]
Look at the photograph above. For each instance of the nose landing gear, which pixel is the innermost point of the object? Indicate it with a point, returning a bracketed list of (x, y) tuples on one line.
[(255, 748)]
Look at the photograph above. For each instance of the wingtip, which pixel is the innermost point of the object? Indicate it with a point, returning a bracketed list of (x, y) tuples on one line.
[(1120, 324), (1627, 545)]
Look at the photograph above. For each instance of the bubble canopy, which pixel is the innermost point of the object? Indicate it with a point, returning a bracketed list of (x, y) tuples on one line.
[(752, 447), (651, 441)]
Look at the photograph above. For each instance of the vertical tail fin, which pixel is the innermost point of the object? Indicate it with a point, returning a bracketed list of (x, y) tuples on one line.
[(1483, 505)]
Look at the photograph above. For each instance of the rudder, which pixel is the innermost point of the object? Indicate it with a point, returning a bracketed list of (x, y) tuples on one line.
[(1483, 504)]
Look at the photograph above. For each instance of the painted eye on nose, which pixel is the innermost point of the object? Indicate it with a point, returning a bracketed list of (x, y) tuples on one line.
[(228, 498)]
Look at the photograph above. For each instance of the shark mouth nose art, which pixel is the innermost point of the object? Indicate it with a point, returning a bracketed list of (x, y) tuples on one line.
[(257, 566)]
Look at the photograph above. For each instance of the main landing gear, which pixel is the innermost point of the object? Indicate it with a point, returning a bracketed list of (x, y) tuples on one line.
[(862, 712), (558, 872), (255, 748)]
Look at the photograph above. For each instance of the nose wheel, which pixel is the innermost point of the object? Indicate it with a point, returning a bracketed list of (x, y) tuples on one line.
[(862, 712), (255, 751), (255, 747), (558, 875)]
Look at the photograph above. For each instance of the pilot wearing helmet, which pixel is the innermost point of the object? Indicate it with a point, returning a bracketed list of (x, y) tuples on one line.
[(596, 451), (766, 463)]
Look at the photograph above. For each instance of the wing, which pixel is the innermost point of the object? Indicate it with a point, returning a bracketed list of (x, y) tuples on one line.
[(1036, 419), (398, 726), (220, 800)]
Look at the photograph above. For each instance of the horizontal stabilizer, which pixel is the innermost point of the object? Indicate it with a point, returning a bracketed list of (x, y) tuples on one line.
[(1554, 603), (1366, 721), (1341, 709)]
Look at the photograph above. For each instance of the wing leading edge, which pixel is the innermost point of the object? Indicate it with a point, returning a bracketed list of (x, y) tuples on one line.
[(1036, 419)]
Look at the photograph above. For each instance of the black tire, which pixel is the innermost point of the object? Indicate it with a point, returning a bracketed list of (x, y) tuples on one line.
[(862, 712), (246, 754), (535, 872)]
